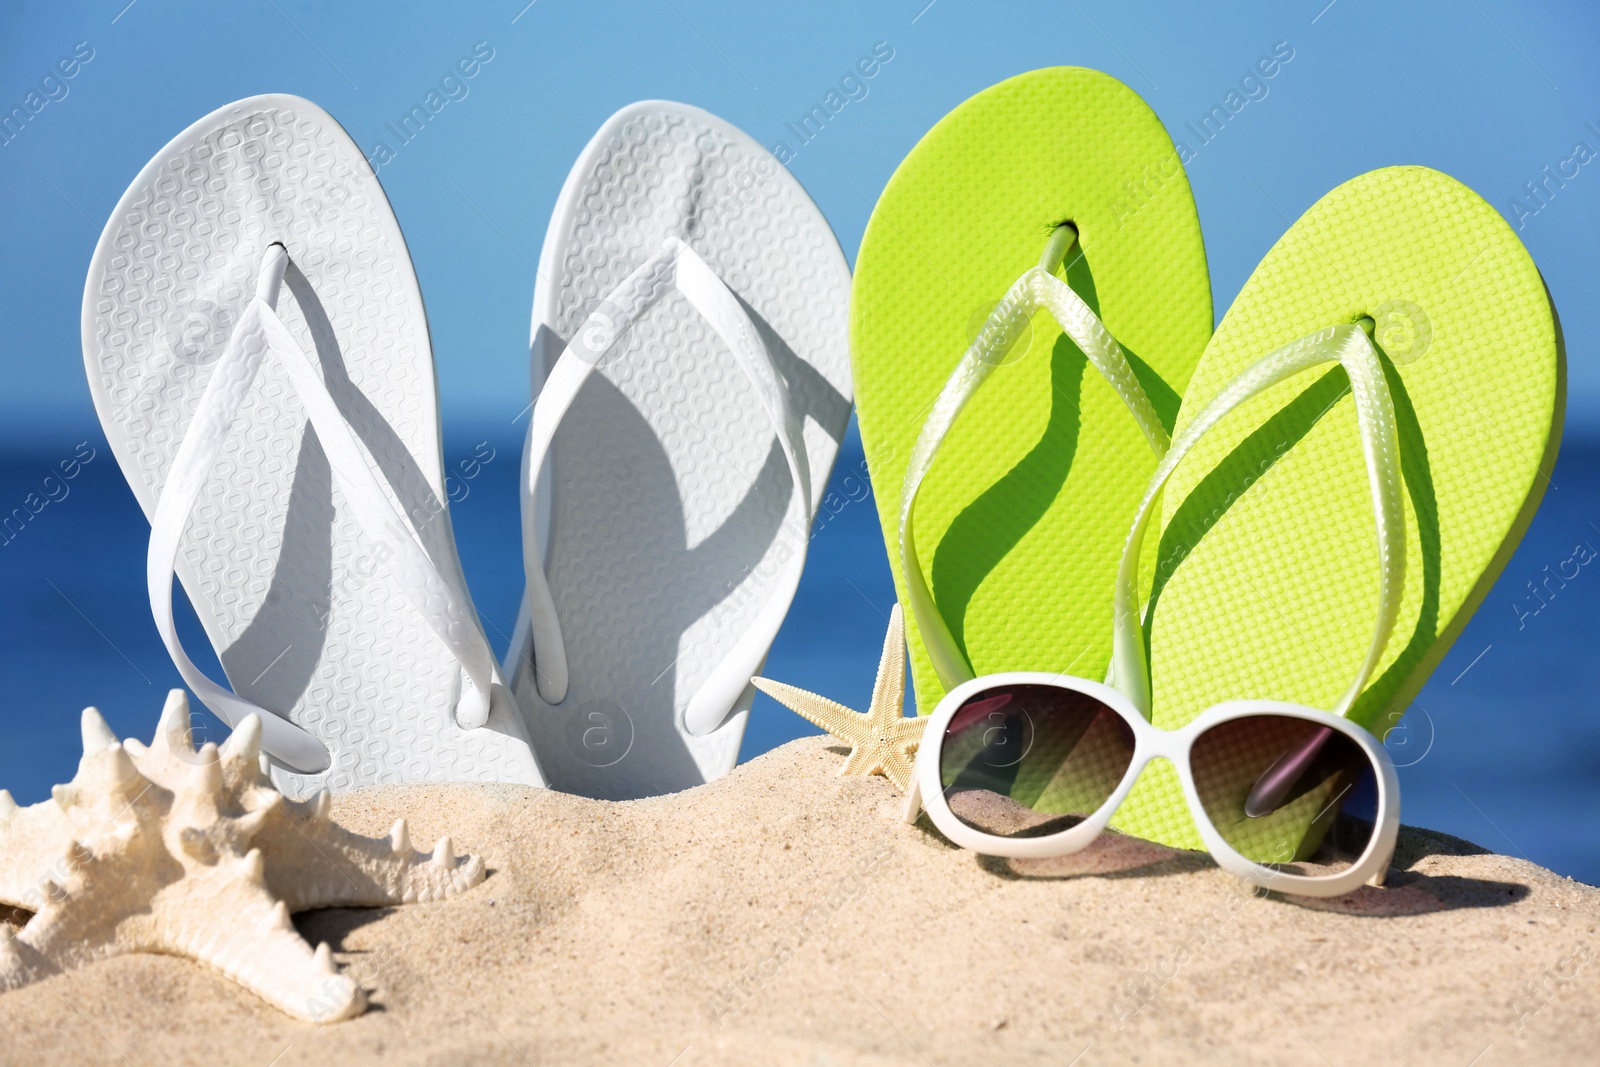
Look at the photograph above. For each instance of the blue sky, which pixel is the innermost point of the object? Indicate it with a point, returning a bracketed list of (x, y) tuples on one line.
[(1487, 90)]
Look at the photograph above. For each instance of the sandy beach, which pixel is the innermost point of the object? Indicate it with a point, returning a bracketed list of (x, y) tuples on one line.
[(786, 915)]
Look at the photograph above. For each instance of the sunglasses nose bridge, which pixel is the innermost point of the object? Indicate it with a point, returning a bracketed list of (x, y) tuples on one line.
[(1145, 760), (1162, 770)]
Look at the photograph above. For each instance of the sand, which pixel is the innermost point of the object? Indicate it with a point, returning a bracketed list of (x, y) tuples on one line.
[(786, 915)]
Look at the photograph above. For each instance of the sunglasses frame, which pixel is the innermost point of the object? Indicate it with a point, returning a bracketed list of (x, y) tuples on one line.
[(1150, 742)]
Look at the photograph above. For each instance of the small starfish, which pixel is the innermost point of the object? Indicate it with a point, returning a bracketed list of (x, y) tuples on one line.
[(882, 741)]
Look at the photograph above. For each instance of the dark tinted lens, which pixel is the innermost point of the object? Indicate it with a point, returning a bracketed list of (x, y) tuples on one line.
[(1030, 760), (1287, 793)]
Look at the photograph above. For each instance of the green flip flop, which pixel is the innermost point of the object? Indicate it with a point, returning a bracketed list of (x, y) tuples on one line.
[(1020, 521), (1267, 577)]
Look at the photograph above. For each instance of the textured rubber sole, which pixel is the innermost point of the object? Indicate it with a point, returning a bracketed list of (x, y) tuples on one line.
[(302, 609), (667, 485), (1266, 582), (1021, 520)]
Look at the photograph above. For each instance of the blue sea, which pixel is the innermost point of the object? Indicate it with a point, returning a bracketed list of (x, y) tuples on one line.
[(1502, 746)]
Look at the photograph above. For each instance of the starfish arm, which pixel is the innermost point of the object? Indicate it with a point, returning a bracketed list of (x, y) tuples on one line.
[(244, 933), (82, 911), (862, 760), (314, 863), (821, 712), (889, 690), (32, 840), (70, 933), (897, 768), (21, 964)]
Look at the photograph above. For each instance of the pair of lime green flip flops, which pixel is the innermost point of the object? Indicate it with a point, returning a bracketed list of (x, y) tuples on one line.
[(1267, 575)]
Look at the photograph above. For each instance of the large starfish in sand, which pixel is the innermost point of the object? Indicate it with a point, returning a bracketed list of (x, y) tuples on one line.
[(882, 741), (163, 848)]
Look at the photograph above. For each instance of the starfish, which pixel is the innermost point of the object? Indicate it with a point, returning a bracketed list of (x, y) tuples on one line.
[(882, 741), (162, 848)]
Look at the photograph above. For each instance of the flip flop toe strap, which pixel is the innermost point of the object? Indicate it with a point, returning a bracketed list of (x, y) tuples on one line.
[(446, 608), (1348, 346), (675, 266), (1037, 288)]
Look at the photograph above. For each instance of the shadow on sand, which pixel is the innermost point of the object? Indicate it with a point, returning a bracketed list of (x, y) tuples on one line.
[(1407, 892)]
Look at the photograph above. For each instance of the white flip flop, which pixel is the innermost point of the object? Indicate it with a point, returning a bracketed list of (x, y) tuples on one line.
[(690, 342), (287, 453)]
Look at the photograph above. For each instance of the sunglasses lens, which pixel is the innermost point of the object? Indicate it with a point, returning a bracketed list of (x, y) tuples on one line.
[(1287, 793), (1032, 760)]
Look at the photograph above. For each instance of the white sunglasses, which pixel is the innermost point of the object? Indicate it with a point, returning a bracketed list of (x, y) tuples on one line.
[(1293, 798), (1030, 765)]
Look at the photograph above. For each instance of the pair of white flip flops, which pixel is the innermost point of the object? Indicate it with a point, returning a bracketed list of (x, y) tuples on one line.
[(260, 360)]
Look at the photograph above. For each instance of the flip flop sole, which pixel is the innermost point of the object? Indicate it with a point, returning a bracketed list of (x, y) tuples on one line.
[(308, 619), (666, 484), (1266, 582), (1021, 520)]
